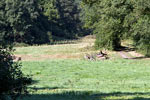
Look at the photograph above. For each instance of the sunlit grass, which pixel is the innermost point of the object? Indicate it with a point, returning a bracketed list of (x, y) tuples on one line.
[(59, 72), (58, 51), (112, 76), (77, 46)]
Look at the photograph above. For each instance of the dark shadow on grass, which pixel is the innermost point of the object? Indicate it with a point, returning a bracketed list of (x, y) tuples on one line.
[(128, 49), (143, 57), (44, 88), (125, 49), (136, 58), (34, 82), (140, 98), (88, 95)]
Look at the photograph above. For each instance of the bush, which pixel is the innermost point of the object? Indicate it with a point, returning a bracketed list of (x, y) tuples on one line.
[(13, 82)]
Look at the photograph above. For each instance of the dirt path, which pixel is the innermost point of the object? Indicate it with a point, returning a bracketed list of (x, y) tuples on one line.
[(125, 55), (131, 55)]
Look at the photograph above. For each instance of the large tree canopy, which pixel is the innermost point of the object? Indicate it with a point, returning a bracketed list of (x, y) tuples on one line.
[(24, 19), (63, 15), (114, 20), (39, 21)]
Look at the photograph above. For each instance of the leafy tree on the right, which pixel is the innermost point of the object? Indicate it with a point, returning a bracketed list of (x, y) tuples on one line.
[(115, 20), (140, 26)]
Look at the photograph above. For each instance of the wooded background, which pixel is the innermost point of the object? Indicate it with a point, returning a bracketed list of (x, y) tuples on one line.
[(46, 21)]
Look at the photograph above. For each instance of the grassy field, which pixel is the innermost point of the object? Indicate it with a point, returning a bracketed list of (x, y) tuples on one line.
[(70, 77), (74, 49)]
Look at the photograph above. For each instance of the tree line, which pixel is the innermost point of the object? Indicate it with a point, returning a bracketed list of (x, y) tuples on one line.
[(39, 21)]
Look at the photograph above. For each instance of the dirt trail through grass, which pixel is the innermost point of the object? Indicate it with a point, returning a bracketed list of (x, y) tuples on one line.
[(125, 55), (131, 55)]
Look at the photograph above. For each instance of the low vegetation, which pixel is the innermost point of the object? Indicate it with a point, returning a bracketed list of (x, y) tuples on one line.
[(62, 78), (13, 82), (73, 79)]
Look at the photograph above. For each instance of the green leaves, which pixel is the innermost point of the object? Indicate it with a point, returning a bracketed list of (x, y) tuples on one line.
[(106, 20), (23, 22), (13, 81), (120, 19)]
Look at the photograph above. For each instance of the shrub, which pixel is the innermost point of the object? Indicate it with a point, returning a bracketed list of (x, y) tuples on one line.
[(13, 82)]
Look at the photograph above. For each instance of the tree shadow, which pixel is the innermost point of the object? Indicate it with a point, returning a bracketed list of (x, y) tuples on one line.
[(44, 88), (129, 49), (143, 57), (125, 49), (88, 95), (138, 58)]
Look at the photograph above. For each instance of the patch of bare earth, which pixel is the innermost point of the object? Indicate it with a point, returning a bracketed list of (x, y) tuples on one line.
[(132, 55)]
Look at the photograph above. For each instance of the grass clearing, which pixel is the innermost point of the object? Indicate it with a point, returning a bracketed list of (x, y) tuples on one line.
[(112, 79), (58, 51), (60, 73)]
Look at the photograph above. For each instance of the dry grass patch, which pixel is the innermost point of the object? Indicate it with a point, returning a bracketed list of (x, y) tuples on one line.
[(75, 50)]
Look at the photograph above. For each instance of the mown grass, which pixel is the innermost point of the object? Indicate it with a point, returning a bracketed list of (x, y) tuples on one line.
[(58, 77), (74, 46), (89, 80), (74, 50)]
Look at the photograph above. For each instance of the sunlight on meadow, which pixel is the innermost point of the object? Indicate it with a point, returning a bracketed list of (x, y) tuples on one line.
[(60, 72)]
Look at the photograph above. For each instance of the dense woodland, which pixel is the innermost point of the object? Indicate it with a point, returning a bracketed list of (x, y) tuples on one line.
[(39, 21)]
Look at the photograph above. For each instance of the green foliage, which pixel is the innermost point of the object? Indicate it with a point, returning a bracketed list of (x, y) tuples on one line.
[(50, 10), (141, 35), (89, 2), (63, 16), (25, 20), (30, 21), (89, 15), (141, 28), (111, 40), (115, 20), (13, 82), (21, 21), (106, 20)]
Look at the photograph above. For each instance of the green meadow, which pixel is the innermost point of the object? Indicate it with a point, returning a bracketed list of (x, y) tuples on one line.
[(74, 78)]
